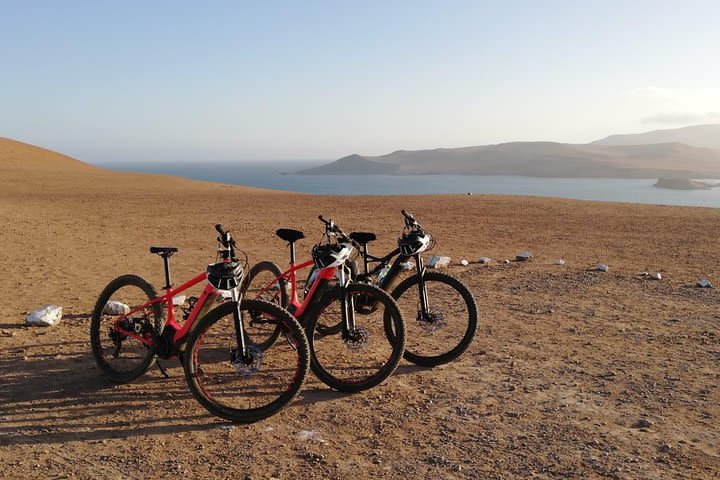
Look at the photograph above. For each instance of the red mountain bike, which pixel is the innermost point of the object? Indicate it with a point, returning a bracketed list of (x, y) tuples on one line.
[(353, 354), (228, 374)]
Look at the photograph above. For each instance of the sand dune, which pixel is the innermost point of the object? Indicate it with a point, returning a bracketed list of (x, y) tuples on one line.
[(565, 362)]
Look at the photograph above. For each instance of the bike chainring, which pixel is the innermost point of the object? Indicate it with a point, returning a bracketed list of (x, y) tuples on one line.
[(432, 321), (357, 339), (250, 365)]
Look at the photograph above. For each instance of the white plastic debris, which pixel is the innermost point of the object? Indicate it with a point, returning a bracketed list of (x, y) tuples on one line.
[(464, 263), (310, 435), (46, 316), (178, 300), (407, 265), (484, 260), (704, 283), (523, 256), (601, 267), (115, 308), (437, 261), (559, 261)]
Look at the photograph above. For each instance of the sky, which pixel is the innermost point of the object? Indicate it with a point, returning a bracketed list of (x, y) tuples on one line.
[(229, 80)]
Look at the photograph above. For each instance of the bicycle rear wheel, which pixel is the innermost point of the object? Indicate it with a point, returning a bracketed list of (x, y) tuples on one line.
[(263, 277), (445, 330), (121, 357), (251, 390), (366, 356)]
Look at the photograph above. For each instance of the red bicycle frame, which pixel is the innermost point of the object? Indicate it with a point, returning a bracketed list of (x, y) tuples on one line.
[(299, 308), (167, 298)]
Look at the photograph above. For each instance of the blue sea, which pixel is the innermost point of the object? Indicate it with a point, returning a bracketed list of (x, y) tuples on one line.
[(283, 176)]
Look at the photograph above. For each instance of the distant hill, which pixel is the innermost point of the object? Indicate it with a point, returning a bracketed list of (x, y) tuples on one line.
[(707, 136), (651, 156)]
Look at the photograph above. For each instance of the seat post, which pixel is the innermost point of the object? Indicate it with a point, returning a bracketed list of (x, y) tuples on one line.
[(166, 261), (292, 252), (365, 257)]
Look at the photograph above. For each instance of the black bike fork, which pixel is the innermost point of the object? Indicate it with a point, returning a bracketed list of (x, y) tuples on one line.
[(237, 318), (424, 304)]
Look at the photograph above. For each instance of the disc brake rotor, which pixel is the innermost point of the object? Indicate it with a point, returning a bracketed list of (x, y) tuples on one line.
[(357, 339), (251, 367), (431, 322)]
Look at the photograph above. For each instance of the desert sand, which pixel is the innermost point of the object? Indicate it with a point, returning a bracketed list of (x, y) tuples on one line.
[(565, 364)]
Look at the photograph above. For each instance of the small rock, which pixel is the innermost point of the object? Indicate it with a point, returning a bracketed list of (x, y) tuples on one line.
[(657, 276), (559, 261), (643, 423), (664, 448), (407, 265), (484, 260), (178, 300), (506, 261), (464, 263), (601, 267), (523, 256), (704, 283)]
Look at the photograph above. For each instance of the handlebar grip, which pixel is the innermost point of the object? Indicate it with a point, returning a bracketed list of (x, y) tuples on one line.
[(219, 228), (407, 215), (322, 219)]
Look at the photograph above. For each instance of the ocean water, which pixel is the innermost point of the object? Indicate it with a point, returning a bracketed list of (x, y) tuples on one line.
[(283, 176)]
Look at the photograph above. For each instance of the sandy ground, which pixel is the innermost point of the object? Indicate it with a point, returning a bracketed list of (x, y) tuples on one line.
[(565, 363)]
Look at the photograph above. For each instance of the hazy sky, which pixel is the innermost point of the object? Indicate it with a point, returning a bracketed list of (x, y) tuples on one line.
[(140, 81)]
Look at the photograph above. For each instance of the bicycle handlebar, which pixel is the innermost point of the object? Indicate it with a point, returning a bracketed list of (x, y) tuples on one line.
[(331, 227), (410, 220), (225, 239)]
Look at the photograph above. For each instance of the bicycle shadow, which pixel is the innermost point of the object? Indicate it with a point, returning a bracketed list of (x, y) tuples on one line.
[(48, 398)]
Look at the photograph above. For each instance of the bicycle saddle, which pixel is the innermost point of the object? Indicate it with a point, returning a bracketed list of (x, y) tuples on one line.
[(163, 251), (289, 235), (363, 237)]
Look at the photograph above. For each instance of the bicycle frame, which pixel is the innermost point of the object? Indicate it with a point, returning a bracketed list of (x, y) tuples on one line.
[(296, 308), (394, 271), (167, 299)]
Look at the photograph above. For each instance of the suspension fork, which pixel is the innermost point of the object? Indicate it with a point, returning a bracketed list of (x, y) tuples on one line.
[(346, 304), (239, 329), (424, 304)]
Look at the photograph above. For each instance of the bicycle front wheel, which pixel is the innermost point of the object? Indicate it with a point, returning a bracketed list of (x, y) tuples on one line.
[(351, 361), (246, 389), (442, 332)]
